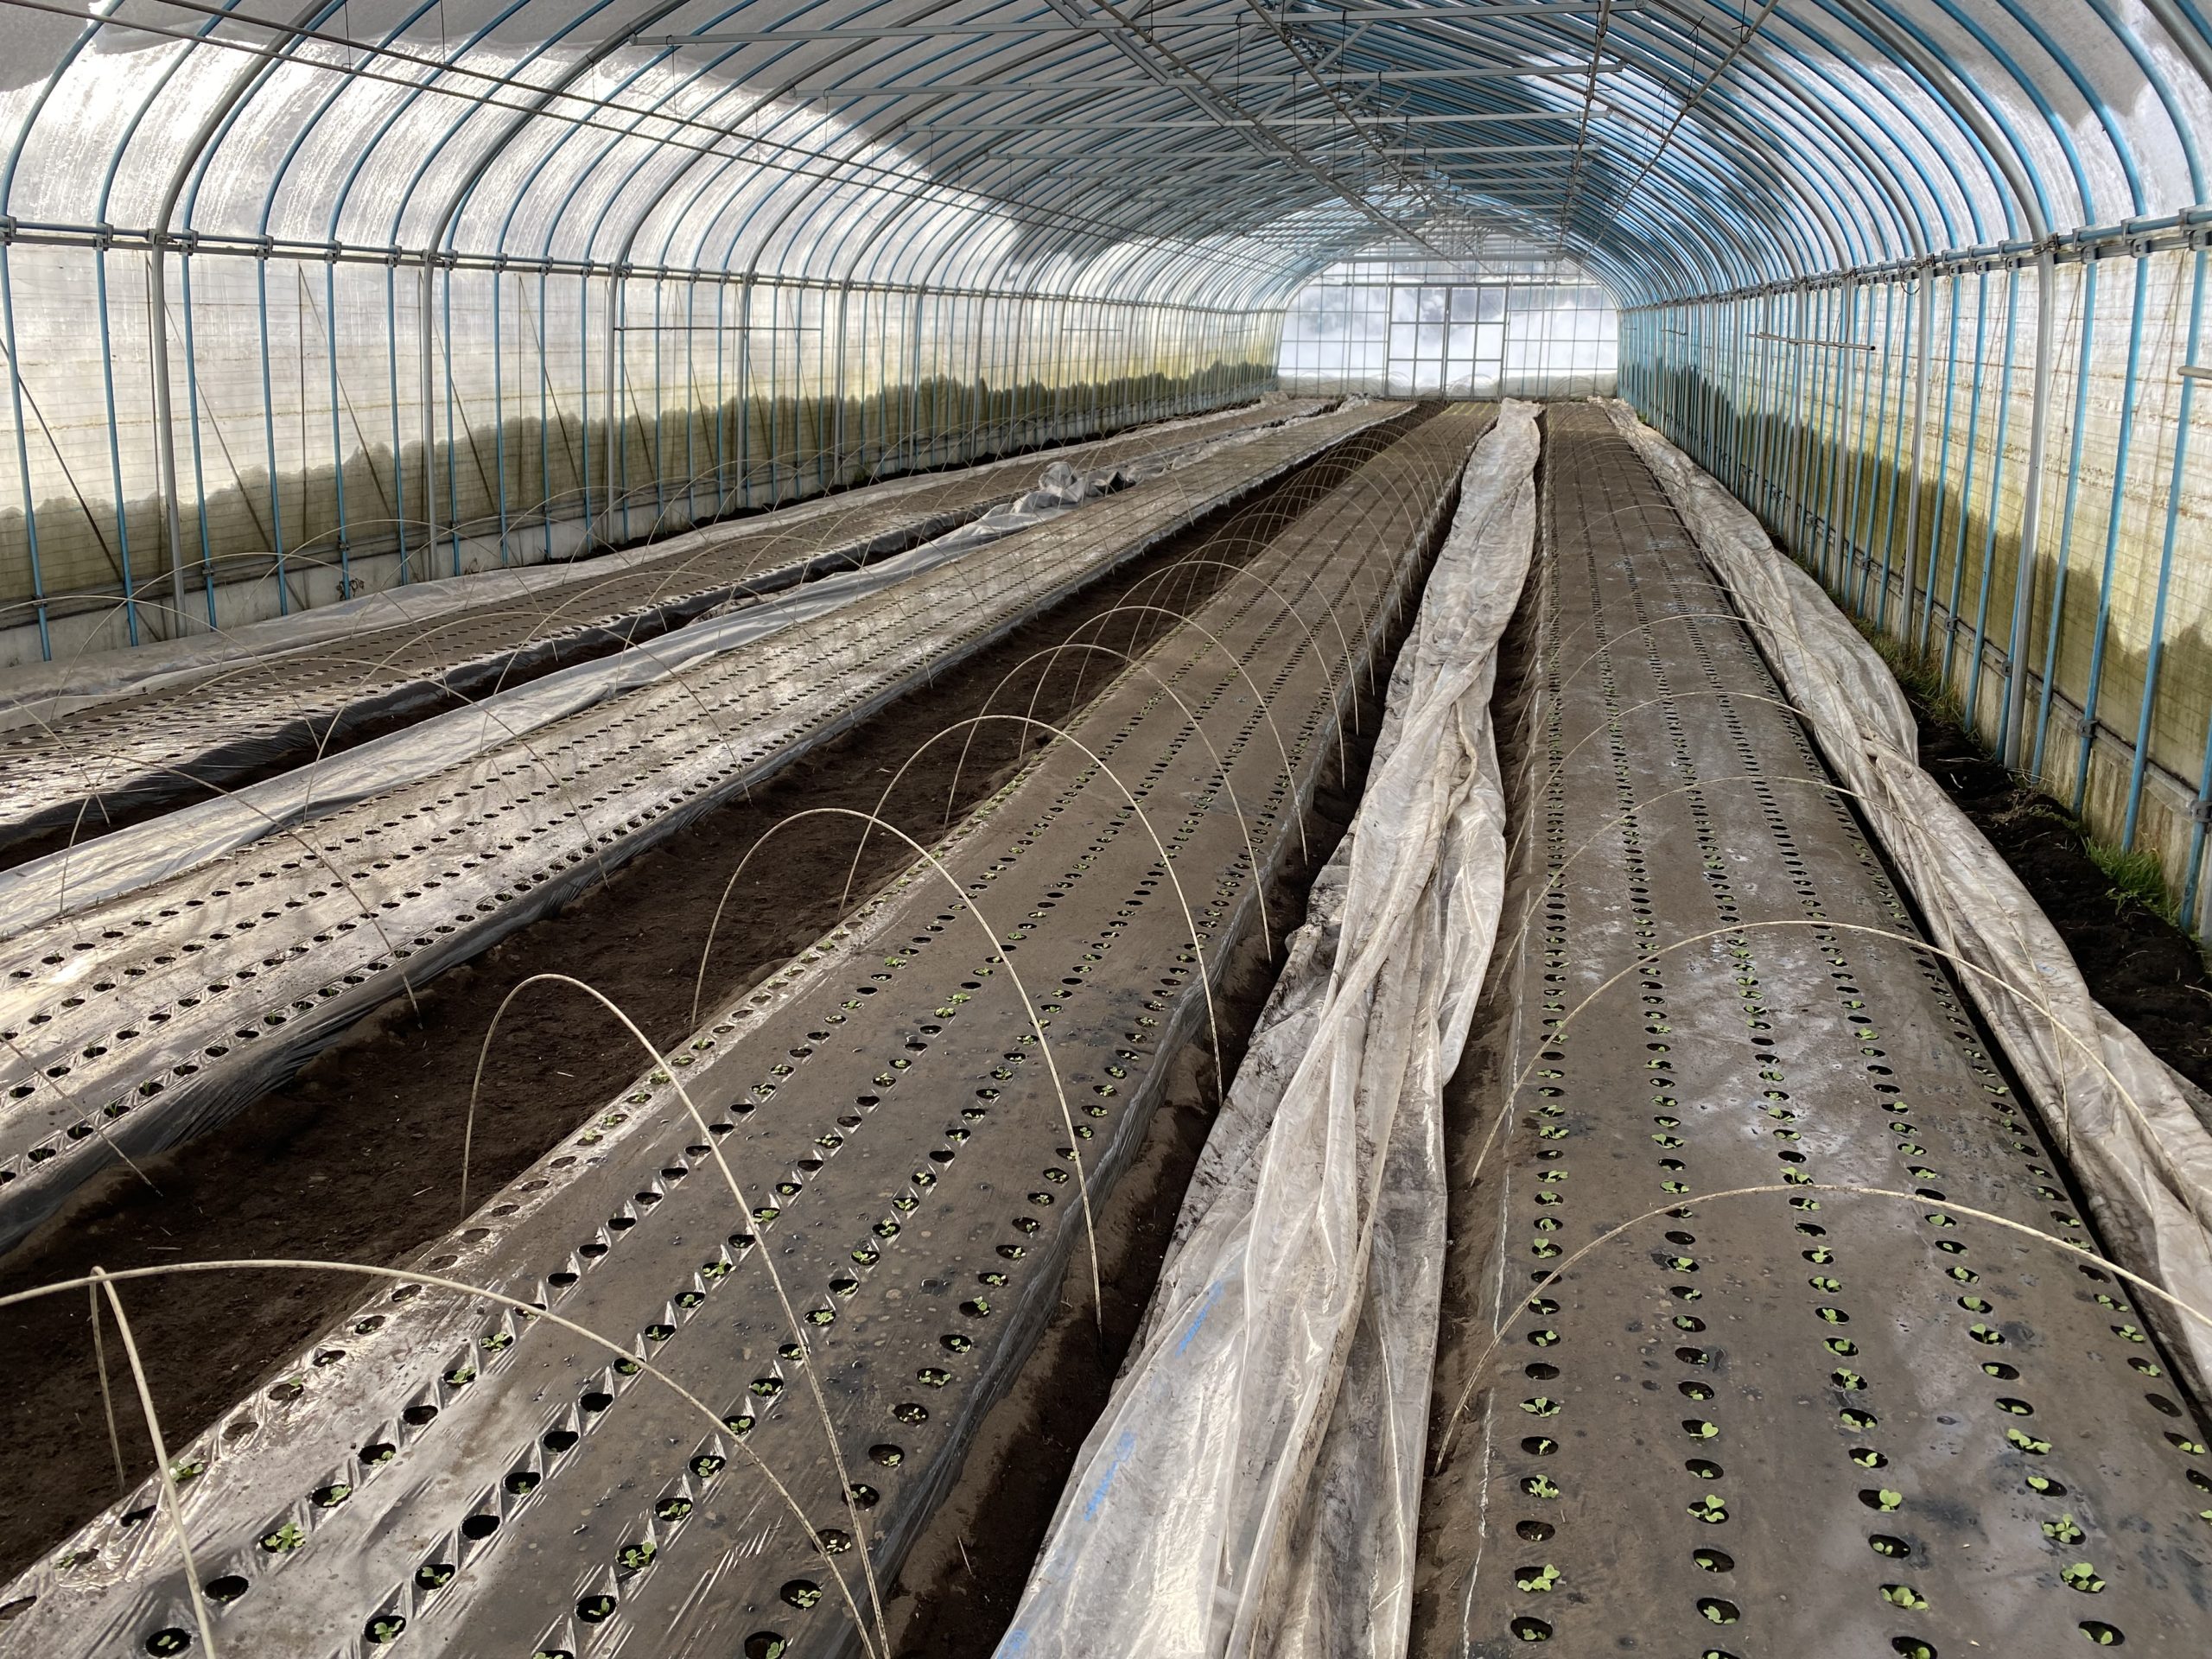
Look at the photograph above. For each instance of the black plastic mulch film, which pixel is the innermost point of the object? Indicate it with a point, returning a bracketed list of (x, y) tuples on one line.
[(139, 1022), (490, 1484), (1796, 1421)]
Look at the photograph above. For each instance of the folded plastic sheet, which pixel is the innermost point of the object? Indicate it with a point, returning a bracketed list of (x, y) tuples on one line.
[(2135, 1130), (1252, 1485), (108, 866), (1059, 487)]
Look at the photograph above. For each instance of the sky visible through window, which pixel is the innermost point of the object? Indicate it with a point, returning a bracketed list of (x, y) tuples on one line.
[(1498, 329)]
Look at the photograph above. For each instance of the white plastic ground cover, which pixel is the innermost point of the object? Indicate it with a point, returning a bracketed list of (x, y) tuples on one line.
[(168, 734), (55, 691), (106, 866), (58, 690), (2135, 1129), (140, 1023), (1252, 1487)]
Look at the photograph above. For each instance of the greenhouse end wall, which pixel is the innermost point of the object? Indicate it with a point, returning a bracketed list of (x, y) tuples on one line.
[(1494, 327), (1884, 426)]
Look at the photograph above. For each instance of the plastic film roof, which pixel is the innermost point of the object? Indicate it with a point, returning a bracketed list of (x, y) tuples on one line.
[(1218, 150)]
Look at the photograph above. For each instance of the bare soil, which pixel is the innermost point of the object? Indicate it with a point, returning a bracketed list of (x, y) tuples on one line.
[(381, 1112), (2152, 976)]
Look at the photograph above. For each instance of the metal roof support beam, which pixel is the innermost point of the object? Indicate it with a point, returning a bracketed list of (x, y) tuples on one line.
[(1349, 79), (1333, 96), (1429, 16), (1194, 87), (1466, 14), (1125, 159), (1170, 124)]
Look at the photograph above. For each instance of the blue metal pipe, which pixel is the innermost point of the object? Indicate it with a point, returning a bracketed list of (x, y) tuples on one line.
[(2130, 384), (2087, 304), (2140, 762)]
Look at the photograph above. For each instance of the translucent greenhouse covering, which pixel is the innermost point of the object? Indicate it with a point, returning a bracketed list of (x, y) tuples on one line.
[(301, 301), (455, 448)]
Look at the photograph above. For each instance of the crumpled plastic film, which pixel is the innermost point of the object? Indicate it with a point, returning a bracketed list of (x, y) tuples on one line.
[(1252, 1485), (52, 691), (108, 866), (2134, 1128)]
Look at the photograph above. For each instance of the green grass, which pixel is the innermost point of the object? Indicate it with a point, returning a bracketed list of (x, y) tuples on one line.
[(2136, 876), (1919, 673)]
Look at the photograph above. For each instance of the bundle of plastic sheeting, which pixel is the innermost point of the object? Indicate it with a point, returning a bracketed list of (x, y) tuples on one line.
[(1061, 488), (2135, 1129), (1252, 1487)]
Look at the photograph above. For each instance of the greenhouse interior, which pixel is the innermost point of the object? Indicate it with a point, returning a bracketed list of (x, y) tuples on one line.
[(1442, 604)]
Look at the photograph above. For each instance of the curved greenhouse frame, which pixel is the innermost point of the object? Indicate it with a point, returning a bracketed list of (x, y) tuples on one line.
[(1282, 828), (298, 304)]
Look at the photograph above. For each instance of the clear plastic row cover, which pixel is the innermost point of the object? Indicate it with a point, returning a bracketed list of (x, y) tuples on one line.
[(1678, 147)]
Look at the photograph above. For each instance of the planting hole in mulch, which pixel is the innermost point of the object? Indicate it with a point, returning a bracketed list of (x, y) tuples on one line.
[(356, 1158)]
